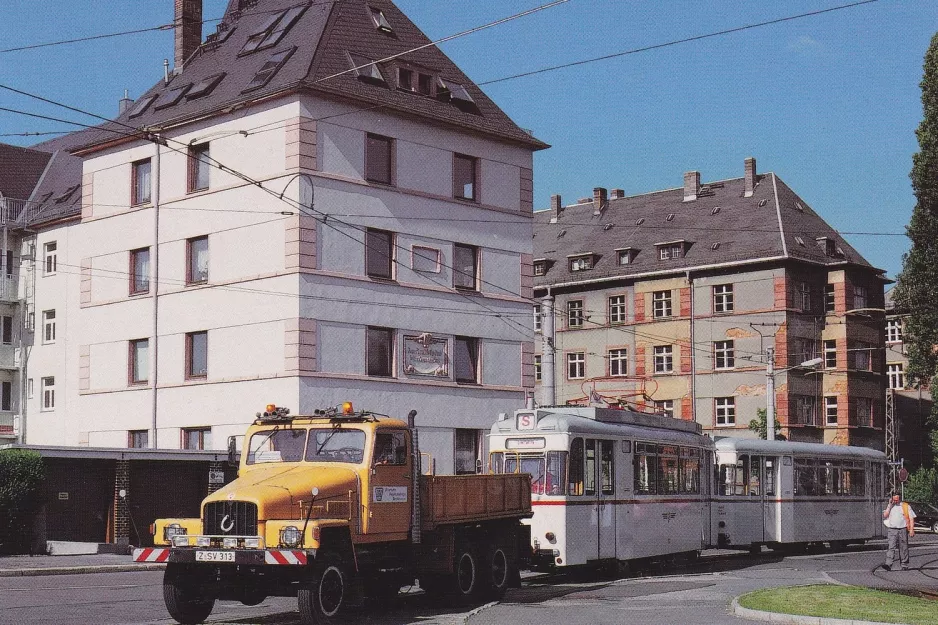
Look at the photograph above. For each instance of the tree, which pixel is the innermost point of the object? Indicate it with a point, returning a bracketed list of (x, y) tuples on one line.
[(922, 486), (21, 478), (759, 426), (914, 294)]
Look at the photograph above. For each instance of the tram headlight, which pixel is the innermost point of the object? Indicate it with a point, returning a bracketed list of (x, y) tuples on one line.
[(551, 537)]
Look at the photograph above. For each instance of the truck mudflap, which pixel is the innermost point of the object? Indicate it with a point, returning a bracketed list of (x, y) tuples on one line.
[(276, 557)]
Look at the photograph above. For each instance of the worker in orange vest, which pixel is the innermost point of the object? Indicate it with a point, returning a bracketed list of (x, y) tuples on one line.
[(899, 520)]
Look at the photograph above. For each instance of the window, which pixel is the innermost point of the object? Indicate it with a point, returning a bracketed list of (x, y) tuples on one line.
[(618, 362), (864, 412), (197, 438), (196, 355), (272, 30), (468, 460), (379, 352), (142, 105), (576, 366), (269, 69), (7, 329), (51, 263), (172, 97), (140, 271), (575, 313), (140, 183), (425, 259), (139, 361), (724, 355), (466, 360), (804, 292), (199, 167), (405, 79), (455, 93), (661, 303), (617, 309), (465, 172), (607, 473), (6, 396), (644, 469), (537, 317), (381, 22), (540, 268), (723, 298), (29, 388), (725, 411), (665, 407), (581, 263), (379, 159), (862, 355), (830, 410), (624, 257), (379, 252), (425, 84), (366, 70), (465, 267), (860, 297), (48, 326), (829, 300), (896, 376), (804, 410), (138, 439), (197, 260), (664, 359), (537, 368), (830, 354), (9, 263), (48, 393), (207, 84), (894, 330), (670, 251)]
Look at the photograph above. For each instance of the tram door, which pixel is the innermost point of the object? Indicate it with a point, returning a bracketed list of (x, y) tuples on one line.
[(770, 506), (600, 483)]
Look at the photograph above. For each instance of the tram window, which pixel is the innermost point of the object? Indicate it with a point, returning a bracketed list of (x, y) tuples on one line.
[(770, 477), (742, 475), (644, 463), (607, 468), (576, 467), (806, 482), (854, 479), (726, 479), (556, 472), (755, 476), (667, 470), (589, 473), (533, 466), (690, 470), (497, 462)]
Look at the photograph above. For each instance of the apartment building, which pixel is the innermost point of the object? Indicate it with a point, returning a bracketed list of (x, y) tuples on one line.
[(302, 212), (674, 301)]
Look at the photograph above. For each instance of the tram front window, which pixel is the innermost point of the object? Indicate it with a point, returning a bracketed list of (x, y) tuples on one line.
[(547, 471)]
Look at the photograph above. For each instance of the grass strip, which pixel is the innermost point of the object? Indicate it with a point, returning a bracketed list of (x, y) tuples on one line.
[(843, 602)]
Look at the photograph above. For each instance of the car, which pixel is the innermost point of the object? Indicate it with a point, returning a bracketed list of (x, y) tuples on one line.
[(926, 515)]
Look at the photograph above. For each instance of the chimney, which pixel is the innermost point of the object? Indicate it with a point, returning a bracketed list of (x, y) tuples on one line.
[(617, 194), (750, 176), (188, 23), (556, 207), (600, 201), (124, 103), (691, 185)]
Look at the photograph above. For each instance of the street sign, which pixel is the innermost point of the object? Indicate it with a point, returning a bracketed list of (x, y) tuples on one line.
[(903, 474), (216, 477)]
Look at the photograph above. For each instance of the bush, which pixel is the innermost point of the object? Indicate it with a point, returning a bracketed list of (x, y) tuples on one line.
[(21, 478), (922, 486)]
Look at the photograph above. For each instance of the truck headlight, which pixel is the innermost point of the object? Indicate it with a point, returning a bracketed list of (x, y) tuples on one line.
[(180, 540), (290, 536), (203, 541), (230, 543), (172, 530), (252, 543)]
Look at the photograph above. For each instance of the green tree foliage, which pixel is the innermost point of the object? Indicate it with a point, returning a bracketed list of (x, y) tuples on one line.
[(914, 294), (760, 426), (21, 478), (922, 486)]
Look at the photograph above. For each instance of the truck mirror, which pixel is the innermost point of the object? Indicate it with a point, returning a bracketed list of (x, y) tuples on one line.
[(232, 452)]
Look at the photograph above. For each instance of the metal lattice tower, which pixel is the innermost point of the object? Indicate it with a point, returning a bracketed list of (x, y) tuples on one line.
[(891, 451)]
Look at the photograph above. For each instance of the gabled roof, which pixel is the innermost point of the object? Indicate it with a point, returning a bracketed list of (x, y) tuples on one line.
[(743, 230), (313, 49), (45, 177), (20, 170)]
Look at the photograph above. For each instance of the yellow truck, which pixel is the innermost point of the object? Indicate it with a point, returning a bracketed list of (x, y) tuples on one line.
[(334, 509)]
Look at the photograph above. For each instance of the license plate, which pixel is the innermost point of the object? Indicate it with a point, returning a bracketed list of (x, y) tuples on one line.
[(215, 556)]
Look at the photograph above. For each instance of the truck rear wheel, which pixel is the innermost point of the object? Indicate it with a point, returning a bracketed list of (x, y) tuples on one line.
[(326, 599), (498, 572), (467, 577), (185, 600)]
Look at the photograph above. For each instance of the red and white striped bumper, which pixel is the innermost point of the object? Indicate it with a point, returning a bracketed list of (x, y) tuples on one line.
[(285, 556), (277, 557), (151, 554)]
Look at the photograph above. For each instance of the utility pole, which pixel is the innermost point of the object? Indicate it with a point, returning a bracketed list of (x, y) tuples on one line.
[(158, 142), (548, 388), (891, 451), (770, 393)]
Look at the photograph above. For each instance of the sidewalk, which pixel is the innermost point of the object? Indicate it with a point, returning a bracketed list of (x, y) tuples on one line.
[(24, 566)]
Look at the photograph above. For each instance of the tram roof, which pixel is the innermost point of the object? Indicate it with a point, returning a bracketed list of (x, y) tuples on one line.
[(757, 445)]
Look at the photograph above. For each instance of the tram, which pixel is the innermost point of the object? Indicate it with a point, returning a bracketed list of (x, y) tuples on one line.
[(608, 485), (786, 495)]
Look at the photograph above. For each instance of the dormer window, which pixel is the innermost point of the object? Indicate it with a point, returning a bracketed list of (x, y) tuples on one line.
[(541, 266), (172, 97), (204, 86), (624, 256), (142, 105), (273, 30), (425, 84), (269, 69), (414, 80), (366, 69), (828, 245), (381, 22), (672, 250), (581, 262)]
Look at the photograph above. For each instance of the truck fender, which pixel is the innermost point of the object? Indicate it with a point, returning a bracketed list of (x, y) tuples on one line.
[(338, 540)]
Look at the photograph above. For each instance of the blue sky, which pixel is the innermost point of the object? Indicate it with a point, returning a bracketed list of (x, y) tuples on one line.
[(830, 103)]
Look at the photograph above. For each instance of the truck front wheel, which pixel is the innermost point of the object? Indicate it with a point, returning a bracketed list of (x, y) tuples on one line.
[(326, 598), (183, 595)]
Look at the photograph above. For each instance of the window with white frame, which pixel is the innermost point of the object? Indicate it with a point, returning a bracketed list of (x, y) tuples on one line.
[(581, 263), (895, 375), (830, 410), (540, 268), (830, 301), (725, 411), (860, 297), (576, 365), (665, 407), (51, 258), (379, 254), (48, 326), (618, 362), (894, 330), (466, 360), (670, 251), (29, 388), (48, 393), (830, 354), (724, 355), (575, 313), (617, 309), (537, 317), (723, 298), (425, 259), (465, 267), (661, 303), (664, 358), (624, 257), (537, 368)]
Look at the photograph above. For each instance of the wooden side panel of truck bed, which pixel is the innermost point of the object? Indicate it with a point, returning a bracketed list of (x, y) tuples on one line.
[(473, 498)]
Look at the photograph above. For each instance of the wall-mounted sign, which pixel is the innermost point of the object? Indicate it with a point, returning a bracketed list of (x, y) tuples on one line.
[(216, 477), (63, 496), (425, 354)]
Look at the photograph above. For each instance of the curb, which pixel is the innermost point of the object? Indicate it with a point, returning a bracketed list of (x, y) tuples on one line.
[(779, 617), (81, 570)]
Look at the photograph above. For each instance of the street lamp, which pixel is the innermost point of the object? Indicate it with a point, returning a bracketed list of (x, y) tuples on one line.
[(770, 387)]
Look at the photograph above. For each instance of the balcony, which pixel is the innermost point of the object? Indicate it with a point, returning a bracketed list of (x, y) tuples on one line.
[(18, 213), (9, 288), (9, 357), (6, 424)]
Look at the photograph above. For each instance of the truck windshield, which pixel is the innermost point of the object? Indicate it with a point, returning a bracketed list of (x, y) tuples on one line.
[(277, 445), (336, 445)]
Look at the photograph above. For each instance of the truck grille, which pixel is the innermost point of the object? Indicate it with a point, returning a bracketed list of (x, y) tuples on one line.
[(238, 517)]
